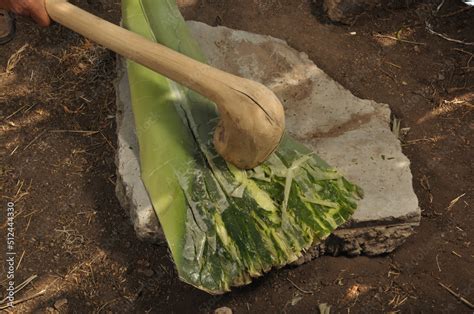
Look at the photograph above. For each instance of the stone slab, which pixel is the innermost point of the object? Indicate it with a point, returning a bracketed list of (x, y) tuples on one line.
[(129, 187), (351, 134)]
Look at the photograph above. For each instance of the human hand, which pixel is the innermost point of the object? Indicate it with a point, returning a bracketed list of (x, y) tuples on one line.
[(35, 9)]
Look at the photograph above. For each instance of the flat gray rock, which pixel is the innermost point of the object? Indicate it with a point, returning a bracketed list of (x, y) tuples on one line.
[(351, 134)]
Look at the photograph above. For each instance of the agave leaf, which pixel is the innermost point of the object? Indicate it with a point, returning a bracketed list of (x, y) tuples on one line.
[(223, 225)]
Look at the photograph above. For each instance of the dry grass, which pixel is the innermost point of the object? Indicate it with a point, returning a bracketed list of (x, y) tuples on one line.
[(4, 302), (15, 59), (454, 201), (446, 107), (393, 38)]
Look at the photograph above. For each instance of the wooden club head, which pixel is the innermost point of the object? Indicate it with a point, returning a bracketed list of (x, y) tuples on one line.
[(252, 122)]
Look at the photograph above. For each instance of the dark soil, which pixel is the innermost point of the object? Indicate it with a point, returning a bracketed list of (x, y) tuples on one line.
[(57, 150)]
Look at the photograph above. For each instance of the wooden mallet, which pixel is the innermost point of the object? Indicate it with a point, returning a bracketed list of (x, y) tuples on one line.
[(251, 121)]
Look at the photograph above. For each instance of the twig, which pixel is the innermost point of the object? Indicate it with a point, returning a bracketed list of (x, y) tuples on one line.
[(425, 183), (430, 29), (455, 89), (455, 12), (466, 52), (401, 302), (455, 253), (34, 140), (440, 6), (98, 255), (468, 64), (19, 261), (107, 140), (454, 201), (30, 214), (28, 224), (393, 64), (301, 290), (388, 74), (14, 150), (20, 182), (112, 181), (18, 196), (14, 113), (25, 283), (24, 299), (107, 304), (15, 58), (85, 132), (437, 263), (20, 287), (457, 295), (425, 139), (399, 39)]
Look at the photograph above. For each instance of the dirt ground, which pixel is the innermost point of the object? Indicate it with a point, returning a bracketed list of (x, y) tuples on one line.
[(57, 166)]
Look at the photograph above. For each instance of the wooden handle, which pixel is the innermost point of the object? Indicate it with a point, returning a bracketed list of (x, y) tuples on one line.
[(252, 120), (174, 65)]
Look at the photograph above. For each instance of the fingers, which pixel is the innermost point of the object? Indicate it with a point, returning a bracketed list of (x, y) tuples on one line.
[(36, 9), (40, 16), (41, 19), (38, 12)]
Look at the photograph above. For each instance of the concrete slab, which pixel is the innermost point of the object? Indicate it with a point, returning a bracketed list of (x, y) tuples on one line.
[(351, 134)]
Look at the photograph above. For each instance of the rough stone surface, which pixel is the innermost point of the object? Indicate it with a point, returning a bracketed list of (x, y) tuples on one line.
[(129, 188), (351, 134), (371, 241)]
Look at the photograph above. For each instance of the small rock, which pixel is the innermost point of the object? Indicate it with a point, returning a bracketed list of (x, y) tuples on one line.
[(148, 272), (296, 300), (223, 310), (324, 308), (441, 77), (51, 310), (60, 303), (417, 48)]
